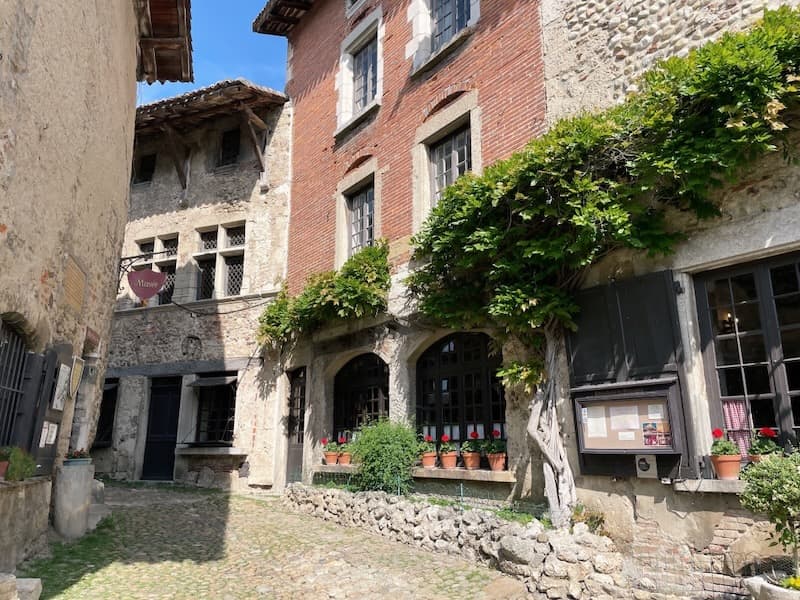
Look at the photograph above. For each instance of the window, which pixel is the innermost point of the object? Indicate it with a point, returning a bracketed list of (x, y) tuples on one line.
[(359, 80), (458, 389), (208, 240), (235, 235), (108, 408), (144, 168), (165, 295), (147, 247), (365, 75), (361, 394), (751, 320), (450, 157), (229, 148), (221, 250), (448, 18), (361, 206), (13, 359), (206, 276), (234, 273), (170, 246), (216, 408)]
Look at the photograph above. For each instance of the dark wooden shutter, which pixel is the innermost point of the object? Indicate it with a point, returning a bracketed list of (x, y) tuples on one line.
[(626, 330)]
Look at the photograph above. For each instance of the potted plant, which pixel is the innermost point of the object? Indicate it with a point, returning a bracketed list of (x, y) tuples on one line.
[(77, 457), (763, 443), (496, 451), (427, 448), (21, 465), (471, 451), (725, 456), (772, 488), (5, 454), (447, 453), (331, 451), (344, 451)]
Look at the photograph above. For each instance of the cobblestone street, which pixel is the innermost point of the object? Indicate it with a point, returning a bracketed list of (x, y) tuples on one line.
[(162, 543)]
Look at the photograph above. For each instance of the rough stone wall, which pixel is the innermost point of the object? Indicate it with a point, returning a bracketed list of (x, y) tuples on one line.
[(24, 510), (208, 335), (594, 51), (66, 133)]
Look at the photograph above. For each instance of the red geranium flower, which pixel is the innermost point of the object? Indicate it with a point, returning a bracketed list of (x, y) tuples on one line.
[(496, 433), (445, 438), (717, 433), (474, 435), (342, 440), (768, 432), (324, 441), (428, 438)]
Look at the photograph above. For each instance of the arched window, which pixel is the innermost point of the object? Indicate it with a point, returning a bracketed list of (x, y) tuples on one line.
[(360, 394), (458, 389)]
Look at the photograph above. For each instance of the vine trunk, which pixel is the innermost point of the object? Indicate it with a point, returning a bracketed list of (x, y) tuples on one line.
[(545, 431)]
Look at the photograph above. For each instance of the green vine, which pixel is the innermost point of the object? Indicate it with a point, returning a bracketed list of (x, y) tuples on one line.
[(359, 289), (508, 248)]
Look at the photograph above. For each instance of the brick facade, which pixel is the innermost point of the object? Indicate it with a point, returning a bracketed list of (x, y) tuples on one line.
[(500, 59)]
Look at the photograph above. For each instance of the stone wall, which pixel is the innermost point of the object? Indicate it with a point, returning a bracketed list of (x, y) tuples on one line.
[(594, 51), (553, 564), (24, 509), (66, 135)]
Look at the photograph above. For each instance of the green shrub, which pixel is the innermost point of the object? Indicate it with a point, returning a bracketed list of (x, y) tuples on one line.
[(5, 453), (387, 451), (21, 465), (594, 520), (772, 488)]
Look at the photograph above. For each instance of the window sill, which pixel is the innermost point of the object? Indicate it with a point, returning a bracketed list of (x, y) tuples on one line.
[(710, 486), (368, 112), (198, 303), (465, 475), (445, 51), (210, 451), (335, 468)]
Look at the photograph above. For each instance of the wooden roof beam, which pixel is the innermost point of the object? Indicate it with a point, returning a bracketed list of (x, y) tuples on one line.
[(253, 117), (179, 151), (248, 125)]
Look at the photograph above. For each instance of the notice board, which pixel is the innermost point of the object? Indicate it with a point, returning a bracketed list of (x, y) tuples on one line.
[(625, 424)]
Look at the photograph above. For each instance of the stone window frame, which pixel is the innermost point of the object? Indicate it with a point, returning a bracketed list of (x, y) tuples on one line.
[(464, 110), (371, 26), (420, 47), (219, 255), (352, 6), (354, 181)]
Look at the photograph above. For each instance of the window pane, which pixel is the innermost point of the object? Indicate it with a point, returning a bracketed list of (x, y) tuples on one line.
[(236, 236), (450, 158), (757, 379), (205, 287), (170, 246), (719, 293), (365, 75), (229, 148), (234, 266), (784, 279), (744, 287), (208, 240), (793, 375), (796, 410), (727, 352), (362, 219), (753, 349), (722, 319), (788, 309), (763, 413), (730, 382), (165, 295), (748, 317), (790, 340)]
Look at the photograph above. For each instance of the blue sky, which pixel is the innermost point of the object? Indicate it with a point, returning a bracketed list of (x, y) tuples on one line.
[(225, 47)]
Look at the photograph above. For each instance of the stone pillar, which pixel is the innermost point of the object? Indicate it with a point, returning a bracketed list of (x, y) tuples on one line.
[(72, 496)]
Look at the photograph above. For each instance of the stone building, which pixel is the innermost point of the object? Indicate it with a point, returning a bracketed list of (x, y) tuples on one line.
[(66, 137), (393, 99), (187, 394)]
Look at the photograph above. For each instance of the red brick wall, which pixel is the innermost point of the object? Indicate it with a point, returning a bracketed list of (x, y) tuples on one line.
[(502, 60)]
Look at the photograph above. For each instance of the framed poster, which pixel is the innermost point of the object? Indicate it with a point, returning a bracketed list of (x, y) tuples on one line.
[(62, 387)]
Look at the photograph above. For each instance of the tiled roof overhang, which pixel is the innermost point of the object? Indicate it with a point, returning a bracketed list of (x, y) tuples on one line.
[(279, 17), (164, 50)]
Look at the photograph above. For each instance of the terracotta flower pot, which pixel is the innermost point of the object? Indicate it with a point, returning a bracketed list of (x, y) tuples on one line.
[(330, 458), (727, 466), (497, 462), (428, 460), (3, 468), (344, 458), (448, 459), (472, 460)]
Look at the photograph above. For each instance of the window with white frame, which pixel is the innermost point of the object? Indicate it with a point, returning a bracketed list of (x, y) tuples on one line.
[(361, 206), (437, 23), (359, 80), (220, 261), (450, 158)]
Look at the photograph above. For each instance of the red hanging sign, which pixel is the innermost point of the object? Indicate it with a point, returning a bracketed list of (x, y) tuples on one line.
[(146, 283)]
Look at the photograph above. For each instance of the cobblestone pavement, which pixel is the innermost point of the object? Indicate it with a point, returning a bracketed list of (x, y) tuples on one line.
[(185, 544)]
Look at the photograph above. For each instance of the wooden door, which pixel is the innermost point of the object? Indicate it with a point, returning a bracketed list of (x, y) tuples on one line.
[(162, 428)]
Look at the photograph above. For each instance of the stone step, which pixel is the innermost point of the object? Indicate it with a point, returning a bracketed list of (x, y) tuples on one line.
[(12, 588)]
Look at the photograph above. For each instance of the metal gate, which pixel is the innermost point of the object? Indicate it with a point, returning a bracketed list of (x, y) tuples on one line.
[(296, 425), (13, 358)]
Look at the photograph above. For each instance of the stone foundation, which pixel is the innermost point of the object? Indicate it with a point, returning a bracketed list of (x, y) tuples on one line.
[(553, 564)]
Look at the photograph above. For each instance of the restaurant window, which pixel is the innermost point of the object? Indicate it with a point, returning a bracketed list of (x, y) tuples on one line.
[(361, 394), (216, 408)]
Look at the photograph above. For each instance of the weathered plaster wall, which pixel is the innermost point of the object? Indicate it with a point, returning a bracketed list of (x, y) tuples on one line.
[(208, 335), (593, 51), (67, 95)]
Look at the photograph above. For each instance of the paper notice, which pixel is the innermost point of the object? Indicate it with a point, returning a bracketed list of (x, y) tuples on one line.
[(595, 417), (43, 437), (51, 435), (624, 417), (655, 412), (627, 436)]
